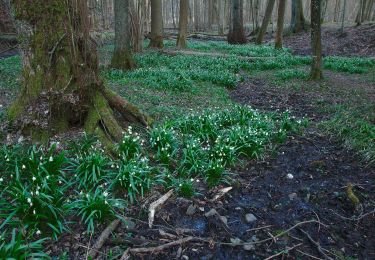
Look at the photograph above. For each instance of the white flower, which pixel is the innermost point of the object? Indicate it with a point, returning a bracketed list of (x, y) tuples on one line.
[(1, 179), (105, 194), (34, 212), (28, 200), (37, 193), (23, 166), (51, 159), (38, 232), (34, 179)]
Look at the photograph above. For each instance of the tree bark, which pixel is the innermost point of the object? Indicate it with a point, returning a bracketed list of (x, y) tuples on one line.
[(236, 31), (221, 22), (183, 23), (156, 24), (197, 20), (122, 56), (280, 24), (61, 85), (316, 41), (298, 22), (266, 21)]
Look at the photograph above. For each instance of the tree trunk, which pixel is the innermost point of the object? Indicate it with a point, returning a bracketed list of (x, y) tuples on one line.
[(236, 33), (266, 21), (6, 23), (122, 56), (61, 84), (197, 16), (156, 24), (337, 11), (221, 22), (298, 22), (316, 41), (183, 22), (280, 24)]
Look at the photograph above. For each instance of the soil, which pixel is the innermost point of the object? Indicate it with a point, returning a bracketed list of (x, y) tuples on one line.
[(355, 41), (321, 171)]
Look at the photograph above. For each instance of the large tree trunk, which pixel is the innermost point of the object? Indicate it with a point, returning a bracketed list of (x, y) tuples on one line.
[(298, 22), (61, 84), (156, 24), (266, 21), (183, 23), (280, 24), (316, 41), (236, 31), (122, 56)]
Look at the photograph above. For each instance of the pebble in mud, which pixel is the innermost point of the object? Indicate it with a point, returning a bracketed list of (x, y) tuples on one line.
[(250, 218), (290, 176)]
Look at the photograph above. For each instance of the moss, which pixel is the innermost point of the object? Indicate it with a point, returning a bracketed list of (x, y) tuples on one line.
[(123, 60)]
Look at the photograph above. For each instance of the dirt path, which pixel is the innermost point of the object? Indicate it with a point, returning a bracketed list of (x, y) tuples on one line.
[(265, 201)]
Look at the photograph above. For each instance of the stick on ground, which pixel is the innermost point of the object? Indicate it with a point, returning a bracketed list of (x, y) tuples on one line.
[(155, 205)]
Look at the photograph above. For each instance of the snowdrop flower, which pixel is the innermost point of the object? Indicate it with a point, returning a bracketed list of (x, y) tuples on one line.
[(23, 166), (105, 194), (28, 200), (34, 179), (34, 212), (51, 159), (38, 232), (1, 179), (37, 193)]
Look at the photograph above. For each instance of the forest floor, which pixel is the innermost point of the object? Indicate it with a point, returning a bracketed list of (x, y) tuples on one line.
[(293, 203)]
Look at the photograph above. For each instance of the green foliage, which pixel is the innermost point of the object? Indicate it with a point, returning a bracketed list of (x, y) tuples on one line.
[(131, 145), (10, 71), (292, 74), (15, 246), (350, 65), (96, 206), (164, 143)]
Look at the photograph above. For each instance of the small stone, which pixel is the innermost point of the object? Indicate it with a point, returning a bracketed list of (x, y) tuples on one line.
[(191, 210), (185, 257), (211, 213), (289, 176), (201, 209), (250, 218), (238, 208), (249, 247), (293, 196)]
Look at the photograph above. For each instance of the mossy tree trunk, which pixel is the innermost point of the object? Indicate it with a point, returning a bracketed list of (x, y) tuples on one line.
[(61, 84), (156, 24), (183, 23), (122, 56), (280, 24), (316, 41), (266, 21), (236, 33)]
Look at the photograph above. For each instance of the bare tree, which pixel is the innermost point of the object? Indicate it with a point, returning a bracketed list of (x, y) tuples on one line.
[(316, 41), (156, 24), (298, 22), (183, 23), (236, 31), (280, 24), (122, 56), (266, 21)]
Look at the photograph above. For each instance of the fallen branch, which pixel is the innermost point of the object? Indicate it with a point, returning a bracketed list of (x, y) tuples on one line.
[(221, 193), (316, 244), (155, 205), (103, 238), (161, 247)]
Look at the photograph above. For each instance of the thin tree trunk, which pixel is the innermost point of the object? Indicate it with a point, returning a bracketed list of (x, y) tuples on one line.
[(298, 22), (156, 24), (343, 17), (266, 21), (122, 56), (197, 16), (316, 41), (337, 11), (236, 33), (280, 24), (183, 23), (221, 11)]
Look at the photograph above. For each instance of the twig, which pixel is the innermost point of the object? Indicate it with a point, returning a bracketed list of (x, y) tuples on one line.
[(306, 254), (161, 247), (103, 237), (258, 228), (354, 219), (318, 246), (283, 252), (155, 205)]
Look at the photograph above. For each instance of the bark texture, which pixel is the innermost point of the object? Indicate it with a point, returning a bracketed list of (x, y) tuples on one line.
[(61, 84), (156, 24), (280, 24), (236, 33), (266, 21), (316, 41), (183, 23), (298, 22), (122, 56)]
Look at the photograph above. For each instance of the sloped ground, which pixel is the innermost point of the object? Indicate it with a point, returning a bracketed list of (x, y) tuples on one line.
[(354, 42)]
